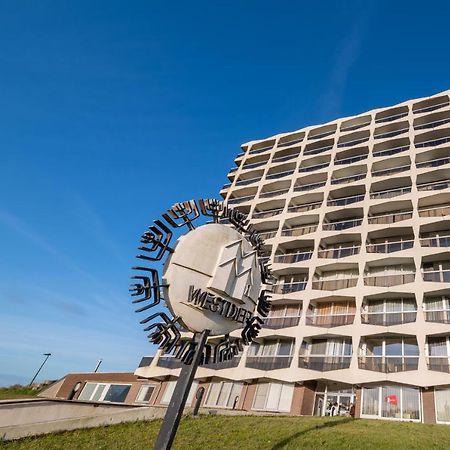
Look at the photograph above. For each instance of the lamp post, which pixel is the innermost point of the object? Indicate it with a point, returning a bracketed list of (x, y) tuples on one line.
[(47, 355), (98, 365)]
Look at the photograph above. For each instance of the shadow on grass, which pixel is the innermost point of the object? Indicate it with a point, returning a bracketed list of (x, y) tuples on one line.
[(330, 424)]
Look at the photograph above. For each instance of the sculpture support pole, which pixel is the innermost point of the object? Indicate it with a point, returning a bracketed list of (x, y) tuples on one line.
[(175, 409)]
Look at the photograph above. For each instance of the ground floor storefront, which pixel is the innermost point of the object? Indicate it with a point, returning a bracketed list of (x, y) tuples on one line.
[(313, 398)]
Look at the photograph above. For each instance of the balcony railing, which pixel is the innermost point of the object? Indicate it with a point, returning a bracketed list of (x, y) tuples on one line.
[(439, 241), (436, 123), (433, 163), (391, 171), (299, 231), (313, 168), (272, 176), (391, 151), (288, 143), (329, 320), (226, 186), (169, 362), (388, 318), (146, 361), (389, 247), (430, 108), (268, 362), (390, 218), (293, 257), (285, 157), (342, 224), (260, 150), (434, 186), (324, 363), (435, 211), (308, 187), (273, 193), (353, 142), (354, 127), (249, 181), (333, 285), (287, 288), (268, 213), (254, 165), (390, 193), (388, 364), (268, 234), (433, 142), (233, 362), (390, 134), (237, 200), (281, 322), (388, 280), (346, 200), (351, 160), (391, 118), (437, 276), (438, 316), (341, 252), (349, 179), (439, 363), (304, 207), (316, 151)]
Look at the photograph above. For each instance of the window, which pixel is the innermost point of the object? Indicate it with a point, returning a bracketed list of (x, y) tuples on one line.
[(330, 347), (391, 402), (273, 397), (442, 403), (223, 394), (272, 348), (145, 393), (170, 388), (105, 392)]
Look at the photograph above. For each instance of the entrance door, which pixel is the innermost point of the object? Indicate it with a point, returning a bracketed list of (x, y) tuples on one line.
[(319, 405)]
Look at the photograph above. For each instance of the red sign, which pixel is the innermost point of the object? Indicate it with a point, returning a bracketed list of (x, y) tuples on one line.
[(391, 400)]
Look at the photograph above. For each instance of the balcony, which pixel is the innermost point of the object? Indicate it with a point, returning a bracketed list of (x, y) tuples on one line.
[(436, 241), (268, 362), (245, 182), (350, 140), (348, 179), (356, 123), (169, 362), (391, 147), (391, 171), (390, 218), (268, 234), (390, 246), (437, 315), (323, 131), (329, 320), (304, 207), (281, 322), (346, 200), (299, 231), (391, 114), (436, 276), (382, 133), (434, 211), (430, 104), (333, 285), (351, 159), (314, 167), (261, 147), (390, 193), (433, 124), (388, 364), (291, 139), (342, 224), (254, 165), (276, 193), (146, 361), (339, 252), (293, 257), (288, 288), (433, 138), (388, 280), (433, 163), (233, 362), (287, 157), (324, 363), (434, 186), (318, 147), (238, 200), (439, 363), (276, 175), (267, 213), (308, 187)]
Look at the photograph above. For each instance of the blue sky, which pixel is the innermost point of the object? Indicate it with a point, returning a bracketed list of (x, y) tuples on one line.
[(112, 111)]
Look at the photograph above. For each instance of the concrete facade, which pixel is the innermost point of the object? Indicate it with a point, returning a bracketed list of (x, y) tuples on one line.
[(355, 214)]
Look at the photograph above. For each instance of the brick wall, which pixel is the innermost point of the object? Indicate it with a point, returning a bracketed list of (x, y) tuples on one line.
[(429, 413)]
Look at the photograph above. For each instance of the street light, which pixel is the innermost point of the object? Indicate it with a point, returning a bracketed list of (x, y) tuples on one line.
[(47, 355)]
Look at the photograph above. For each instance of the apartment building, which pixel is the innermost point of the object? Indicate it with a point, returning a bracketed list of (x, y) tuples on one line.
[(356, 220)]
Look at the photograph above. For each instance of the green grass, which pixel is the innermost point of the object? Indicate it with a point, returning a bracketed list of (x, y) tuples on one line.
[(14, 392), (251, 433)]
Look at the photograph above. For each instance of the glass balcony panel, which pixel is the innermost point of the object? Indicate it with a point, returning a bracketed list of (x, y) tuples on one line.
[(390, 134), (438, 316), (308, 187), (388, 280), (234, 362), (339, 252), (349, 179), (304, 207), (439, 241), (324, 363), (439, 363), (435, 186), (436, 123), (169, 362), (293, 257), (391, 118), (351, 160), (388, 364), (329, 320), (430, 108), (389, 247), (253, 165), (313, 168), (433, 142), (391, 171), (273, 193), (390, 193), (342, 225), (388, 318), (332, 285), (436, 211), (272, 176), (268, 213), (433, 163), (390, 218), (237, 200), (438, 276), (391, 151), (287, 288), (268, 362), (281, 322), (346, 200), (299, 231), (249, 181)]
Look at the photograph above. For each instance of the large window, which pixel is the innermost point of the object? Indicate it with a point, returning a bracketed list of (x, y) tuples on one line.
[(391, 402), (273, 397), (272, 348), (170, 388), (223, 394), (442, 401), (437, 309), (105, 392)]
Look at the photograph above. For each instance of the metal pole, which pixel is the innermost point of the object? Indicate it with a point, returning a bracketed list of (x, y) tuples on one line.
[(98, 365), (174, 411), (47, 355)]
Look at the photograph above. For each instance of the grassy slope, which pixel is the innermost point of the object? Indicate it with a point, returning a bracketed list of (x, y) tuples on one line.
[(252, 433), (17, 392)]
